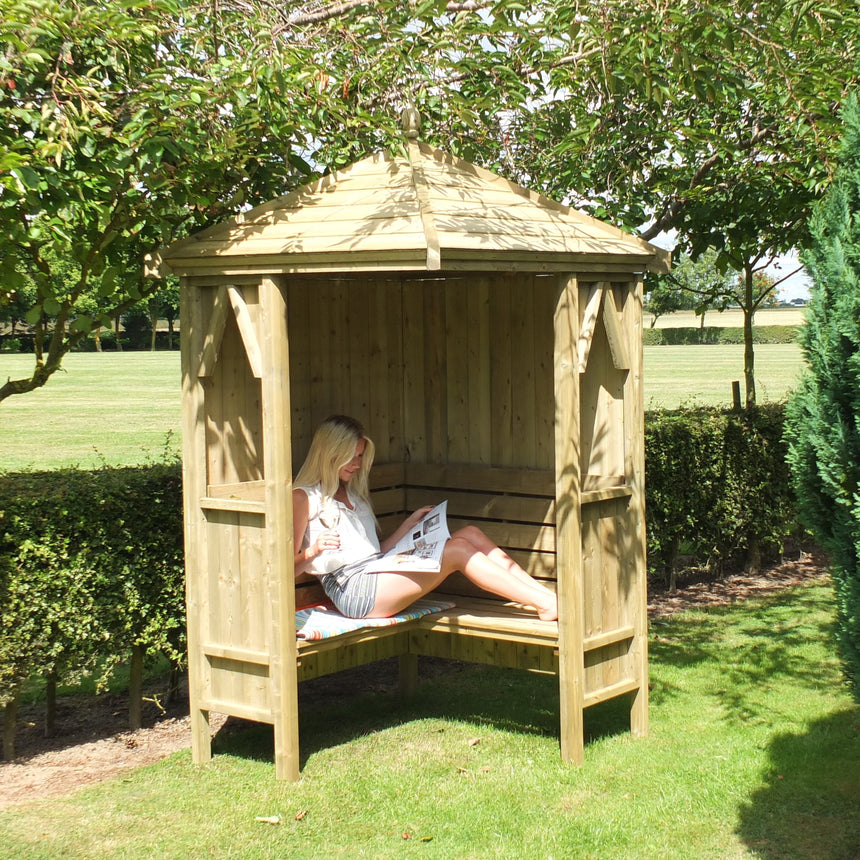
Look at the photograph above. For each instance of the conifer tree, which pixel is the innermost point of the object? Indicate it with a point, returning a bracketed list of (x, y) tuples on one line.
[(824, 414)]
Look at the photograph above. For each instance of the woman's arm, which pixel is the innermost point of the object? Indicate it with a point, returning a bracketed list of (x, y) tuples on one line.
[(404, 527), (304, 557)]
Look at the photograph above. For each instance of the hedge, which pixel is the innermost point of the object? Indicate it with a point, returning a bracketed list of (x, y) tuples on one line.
[(718, 488), (91, 563), (91, 575), (687, 335)]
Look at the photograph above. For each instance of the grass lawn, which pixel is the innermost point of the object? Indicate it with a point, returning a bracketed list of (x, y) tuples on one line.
[(124, 408), (731, 318), (754, 752), (683, 375), (119, 408)]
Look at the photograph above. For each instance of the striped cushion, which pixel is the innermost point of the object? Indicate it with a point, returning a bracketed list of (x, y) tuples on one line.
[(322, 621)]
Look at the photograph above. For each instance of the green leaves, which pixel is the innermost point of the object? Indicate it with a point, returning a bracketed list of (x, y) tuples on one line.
[(90, 565), (824, 414), (125, 125), (717, 484)]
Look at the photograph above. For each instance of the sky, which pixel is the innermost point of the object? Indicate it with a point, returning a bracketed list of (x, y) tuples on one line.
[(795, 287)]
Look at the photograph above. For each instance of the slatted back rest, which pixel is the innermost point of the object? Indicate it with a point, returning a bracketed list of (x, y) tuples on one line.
[(515, 508)]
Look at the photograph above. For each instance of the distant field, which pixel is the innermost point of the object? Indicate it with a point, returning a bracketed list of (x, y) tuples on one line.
[(683, 375), (732, 318), (113, 407), (124, 408)]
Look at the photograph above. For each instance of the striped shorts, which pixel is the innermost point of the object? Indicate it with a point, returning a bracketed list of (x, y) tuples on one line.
[(350, 589)]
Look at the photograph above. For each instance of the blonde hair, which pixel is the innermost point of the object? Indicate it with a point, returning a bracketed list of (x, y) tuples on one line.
[(332, 447)]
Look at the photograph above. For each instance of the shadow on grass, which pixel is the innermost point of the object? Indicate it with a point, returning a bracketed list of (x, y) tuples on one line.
[(509, 700), (806, 808), (756, 650), (748, 653)]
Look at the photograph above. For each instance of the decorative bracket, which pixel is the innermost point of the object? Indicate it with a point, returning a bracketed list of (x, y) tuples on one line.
[(225, 299), (602, 296)]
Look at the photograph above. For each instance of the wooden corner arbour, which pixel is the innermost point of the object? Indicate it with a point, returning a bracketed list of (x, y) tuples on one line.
[(491, 342)]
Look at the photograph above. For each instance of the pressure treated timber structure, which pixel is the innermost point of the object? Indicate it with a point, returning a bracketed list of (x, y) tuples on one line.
[(490, 341)]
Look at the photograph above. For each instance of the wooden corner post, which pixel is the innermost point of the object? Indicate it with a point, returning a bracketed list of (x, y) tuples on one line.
[(571, 659), (280, 578), (194, 488), (635, 419)]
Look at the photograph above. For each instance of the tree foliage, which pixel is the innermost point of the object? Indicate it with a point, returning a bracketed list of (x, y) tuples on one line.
[(824, 423), (124, 125), (716, 121), (693, 284)]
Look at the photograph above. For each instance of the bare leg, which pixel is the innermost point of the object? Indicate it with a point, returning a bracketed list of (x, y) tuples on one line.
[(512, 583), (475, 536), (482, 562), (396, 591)]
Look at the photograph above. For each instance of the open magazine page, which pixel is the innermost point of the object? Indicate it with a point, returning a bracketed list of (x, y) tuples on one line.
[(421, 548)]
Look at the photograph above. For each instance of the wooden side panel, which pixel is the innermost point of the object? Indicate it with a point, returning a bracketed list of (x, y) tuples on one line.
[(613, 540), (478, 378), (237, 610), (605, 597)]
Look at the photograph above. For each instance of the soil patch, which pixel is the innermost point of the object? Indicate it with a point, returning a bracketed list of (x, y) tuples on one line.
[(91, 743)]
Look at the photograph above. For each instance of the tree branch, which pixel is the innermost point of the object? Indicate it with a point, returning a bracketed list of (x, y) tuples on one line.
[(665, 221), (320, 15)]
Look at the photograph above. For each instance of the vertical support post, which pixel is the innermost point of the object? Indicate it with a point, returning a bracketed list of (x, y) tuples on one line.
[(635, 468), (280, 574), (194, 488), (568, 528)]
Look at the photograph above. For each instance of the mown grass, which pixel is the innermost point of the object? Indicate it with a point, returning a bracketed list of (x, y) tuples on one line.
[(122, 409), (754, 752), (703, 374), (114, 408)]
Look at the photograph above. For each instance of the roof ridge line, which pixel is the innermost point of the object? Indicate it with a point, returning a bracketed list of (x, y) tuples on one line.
[(428, 223)]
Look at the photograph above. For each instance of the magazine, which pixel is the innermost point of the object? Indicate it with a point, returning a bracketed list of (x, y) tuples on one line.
[(421, 548)]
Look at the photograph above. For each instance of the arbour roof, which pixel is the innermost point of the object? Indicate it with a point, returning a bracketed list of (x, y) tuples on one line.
[(429, 211)]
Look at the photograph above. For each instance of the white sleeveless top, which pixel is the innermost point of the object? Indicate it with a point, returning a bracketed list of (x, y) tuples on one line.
[(356, 528)]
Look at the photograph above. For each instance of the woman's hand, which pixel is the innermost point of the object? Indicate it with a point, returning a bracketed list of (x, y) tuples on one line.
[(417, 516), (329, 539), (405, 527)]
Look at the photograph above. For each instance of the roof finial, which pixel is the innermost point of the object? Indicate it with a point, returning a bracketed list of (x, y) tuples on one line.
[(410, 121)]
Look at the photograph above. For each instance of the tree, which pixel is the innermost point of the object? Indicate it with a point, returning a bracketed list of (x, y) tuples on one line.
[(824, 414), (122, 126), (694, 284), (665, 297), (126, 125), (164, 305), (716, 120), (749, 289)]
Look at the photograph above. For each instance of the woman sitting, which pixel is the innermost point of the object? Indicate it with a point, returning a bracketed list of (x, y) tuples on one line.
[(336, 537)]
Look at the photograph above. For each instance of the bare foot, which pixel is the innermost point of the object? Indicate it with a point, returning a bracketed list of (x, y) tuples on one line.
[(549, 612)]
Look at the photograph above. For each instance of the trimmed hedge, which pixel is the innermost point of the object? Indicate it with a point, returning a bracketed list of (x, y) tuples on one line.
[(91, 562), (718, 487), (91, 573), (686, 336)]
